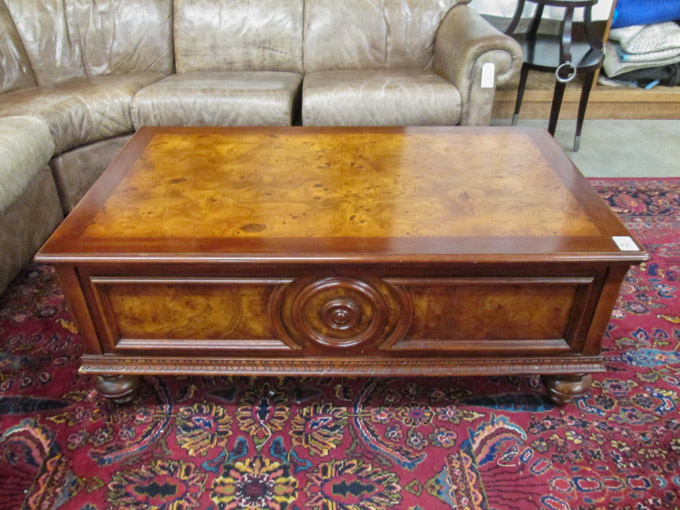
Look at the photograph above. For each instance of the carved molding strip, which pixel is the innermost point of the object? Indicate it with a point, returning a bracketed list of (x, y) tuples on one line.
[(367, 367)]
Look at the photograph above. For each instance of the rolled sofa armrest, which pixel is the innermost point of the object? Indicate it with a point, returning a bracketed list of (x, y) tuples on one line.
[(465, 42)]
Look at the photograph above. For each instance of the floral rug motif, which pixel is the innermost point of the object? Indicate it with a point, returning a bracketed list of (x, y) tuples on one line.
[(491, 443)]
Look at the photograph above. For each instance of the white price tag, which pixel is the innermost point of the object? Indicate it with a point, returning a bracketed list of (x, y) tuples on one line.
[(625, 243), (488, 75)]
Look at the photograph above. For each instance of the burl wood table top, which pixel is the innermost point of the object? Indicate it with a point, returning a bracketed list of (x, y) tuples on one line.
[(319, 194)]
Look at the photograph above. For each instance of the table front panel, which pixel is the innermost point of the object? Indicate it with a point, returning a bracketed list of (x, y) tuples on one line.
[(337, 316), (185, 314)]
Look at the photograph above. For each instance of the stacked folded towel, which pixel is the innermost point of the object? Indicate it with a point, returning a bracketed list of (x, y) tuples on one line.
[(652, 47)]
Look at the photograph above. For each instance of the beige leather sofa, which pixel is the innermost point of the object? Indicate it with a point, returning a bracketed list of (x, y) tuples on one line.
[(77, 77)]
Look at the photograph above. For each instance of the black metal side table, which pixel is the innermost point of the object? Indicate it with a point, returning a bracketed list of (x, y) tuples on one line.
[(559, 54)]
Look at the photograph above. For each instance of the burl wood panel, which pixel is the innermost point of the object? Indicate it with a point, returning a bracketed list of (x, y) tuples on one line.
[(151, 313), (378, 184), (451, 314)]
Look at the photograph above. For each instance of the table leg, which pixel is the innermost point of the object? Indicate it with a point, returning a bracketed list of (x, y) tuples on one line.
[(119, 388), (524, 74), (558, 94), (562, 389), (582, 105)]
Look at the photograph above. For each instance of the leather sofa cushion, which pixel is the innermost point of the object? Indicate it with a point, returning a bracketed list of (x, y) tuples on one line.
[(245, 98), (26, 146), (85, 38), (26, 223), (238, 35), (77, 170), (365, 34), (80, 111), (52, 44), (15, 69), (125, 36), (379, 97)]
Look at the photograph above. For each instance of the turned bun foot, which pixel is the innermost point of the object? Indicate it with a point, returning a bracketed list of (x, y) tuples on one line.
[(562, 389), (119, 388)]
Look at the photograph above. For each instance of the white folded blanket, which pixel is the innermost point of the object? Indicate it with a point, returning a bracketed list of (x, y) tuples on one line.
[(613, 66), (642, 47), (647, 38)]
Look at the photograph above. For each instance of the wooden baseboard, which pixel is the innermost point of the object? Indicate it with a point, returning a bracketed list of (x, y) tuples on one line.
[(604, 103)]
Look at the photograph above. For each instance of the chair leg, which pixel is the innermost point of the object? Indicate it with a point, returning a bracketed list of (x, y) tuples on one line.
[(524, 74), (558, 94), (582, 105)]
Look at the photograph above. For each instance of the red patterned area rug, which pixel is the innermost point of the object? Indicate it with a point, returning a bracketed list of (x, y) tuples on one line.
[(353, 444)]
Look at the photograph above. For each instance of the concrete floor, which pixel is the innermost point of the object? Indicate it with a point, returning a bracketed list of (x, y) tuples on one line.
[(619, 148)]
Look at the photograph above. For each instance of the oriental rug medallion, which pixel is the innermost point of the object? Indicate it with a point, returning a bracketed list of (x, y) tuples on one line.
[(354, 444)]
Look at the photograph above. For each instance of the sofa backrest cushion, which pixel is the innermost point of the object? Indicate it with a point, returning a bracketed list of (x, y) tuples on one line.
[(238, 35), (125, 36), (365, 34), (15, 69), (50, 42), (67, 39)]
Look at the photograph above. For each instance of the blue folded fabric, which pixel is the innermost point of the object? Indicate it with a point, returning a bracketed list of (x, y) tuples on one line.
[(645, 12)]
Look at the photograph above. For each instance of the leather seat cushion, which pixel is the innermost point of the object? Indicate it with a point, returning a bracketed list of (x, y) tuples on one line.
[(215, 98), (379, 97), (26, 146), (83, 110)]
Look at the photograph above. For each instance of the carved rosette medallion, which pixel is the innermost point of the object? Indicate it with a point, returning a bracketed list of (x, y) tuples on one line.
[(339, 312)]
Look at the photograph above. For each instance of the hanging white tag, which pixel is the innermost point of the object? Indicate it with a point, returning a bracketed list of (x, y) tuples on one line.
[(488, 75)]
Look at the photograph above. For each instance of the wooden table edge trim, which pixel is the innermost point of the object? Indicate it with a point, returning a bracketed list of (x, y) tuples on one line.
[(340, 258)]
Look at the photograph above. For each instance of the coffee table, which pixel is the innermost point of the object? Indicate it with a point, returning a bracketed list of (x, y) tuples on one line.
[(341, 251)]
